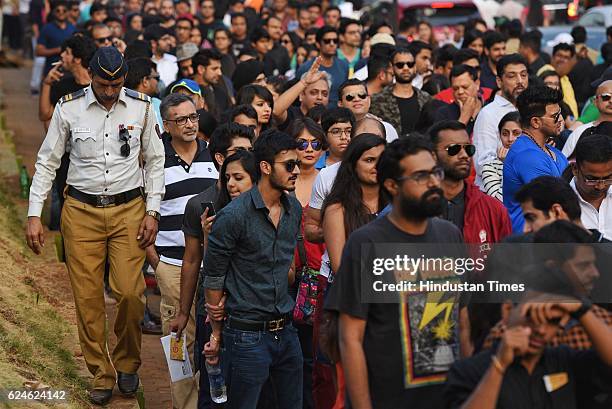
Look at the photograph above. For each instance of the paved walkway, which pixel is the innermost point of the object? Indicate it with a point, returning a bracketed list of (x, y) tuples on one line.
[(22, 117)]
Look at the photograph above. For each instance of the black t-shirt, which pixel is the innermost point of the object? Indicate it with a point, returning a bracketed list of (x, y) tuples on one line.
[(192, 226), (276, 61), (293, 113), (65, 86), (409, 112), (407, 354)]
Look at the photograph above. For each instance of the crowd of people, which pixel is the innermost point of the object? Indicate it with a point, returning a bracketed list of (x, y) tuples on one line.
[(249, 151)]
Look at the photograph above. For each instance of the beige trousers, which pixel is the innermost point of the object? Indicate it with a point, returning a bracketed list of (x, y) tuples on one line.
[(185, 392), (91, 235)]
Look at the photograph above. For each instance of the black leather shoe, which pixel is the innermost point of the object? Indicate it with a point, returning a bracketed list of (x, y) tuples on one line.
[(127, 383), (100, 397)]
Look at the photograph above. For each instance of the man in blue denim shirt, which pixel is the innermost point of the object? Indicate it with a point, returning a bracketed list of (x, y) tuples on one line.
[(250, 257)]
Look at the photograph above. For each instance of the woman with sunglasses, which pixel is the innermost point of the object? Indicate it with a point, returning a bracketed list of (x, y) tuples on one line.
[(354, 200), (261, 100), (492, 173), (291, 41)]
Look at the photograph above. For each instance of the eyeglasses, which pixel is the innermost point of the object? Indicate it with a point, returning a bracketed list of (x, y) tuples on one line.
[(337, 132), (329, 41), (291, 164), (605, 97), (303, 145), (350, 97), (399, 65), (124, 135), (455, 148), (154, 77), (193, 118), (590, 181), (423, 177), (554, 117), (104, 40)]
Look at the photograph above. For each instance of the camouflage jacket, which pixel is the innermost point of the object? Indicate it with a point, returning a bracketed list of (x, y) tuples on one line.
[(385, 106)]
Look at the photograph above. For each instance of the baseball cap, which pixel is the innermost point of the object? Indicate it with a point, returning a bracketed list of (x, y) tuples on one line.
[(188, 84), (186, 51), (561, 38), (382, 38)]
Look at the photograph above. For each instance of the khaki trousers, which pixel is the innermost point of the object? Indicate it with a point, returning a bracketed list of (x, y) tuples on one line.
[(91, 235), (185, 392)]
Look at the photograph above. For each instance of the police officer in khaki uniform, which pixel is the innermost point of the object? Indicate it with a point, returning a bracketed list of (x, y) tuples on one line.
[(106, 215)]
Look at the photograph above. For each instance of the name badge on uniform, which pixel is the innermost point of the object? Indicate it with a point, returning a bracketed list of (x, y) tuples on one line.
[(81, 130), (555, 381)]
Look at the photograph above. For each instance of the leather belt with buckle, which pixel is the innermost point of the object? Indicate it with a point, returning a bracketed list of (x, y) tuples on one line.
[(245, 325), (104, 200)]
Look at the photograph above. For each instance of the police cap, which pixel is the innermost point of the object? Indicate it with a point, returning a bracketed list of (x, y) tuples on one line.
[(108, 64)]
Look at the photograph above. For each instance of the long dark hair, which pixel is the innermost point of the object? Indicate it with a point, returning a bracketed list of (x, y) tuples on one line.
[(247, 160), (346, 189)]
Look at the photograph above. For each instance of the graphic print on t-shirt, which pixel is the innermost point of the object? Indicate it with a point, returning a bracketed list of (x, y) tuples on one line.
[(429, 336)]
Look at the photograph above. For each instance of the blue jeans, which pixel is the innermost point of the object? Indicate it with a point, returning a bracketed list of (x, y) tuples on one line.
[(250, 358)]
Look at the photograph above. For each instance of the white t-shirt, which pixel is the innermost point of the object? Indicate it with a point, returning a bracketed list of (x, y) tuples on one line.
[(390, 132), (321, 188), (592, 218), (362, 73), (572, 140), (167, 68), (323, 185)]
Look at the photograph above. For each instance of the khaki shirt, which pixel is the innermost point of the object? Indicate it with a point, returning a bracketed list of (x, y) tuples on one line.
[(96, 165)]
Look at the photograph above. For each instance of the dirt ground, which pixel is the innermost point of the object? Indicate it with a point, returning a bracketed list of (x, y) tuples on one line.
[(51, 277)]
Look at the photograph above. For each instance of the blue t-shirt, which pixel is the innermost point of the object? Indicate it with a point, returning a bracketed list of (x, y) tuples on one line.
[(338, 72), (52, 36), (526, 161)]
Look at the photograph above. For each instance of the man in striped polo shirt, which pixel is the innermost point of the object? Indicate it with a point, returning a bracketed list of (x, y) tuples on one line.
[(188, 170)]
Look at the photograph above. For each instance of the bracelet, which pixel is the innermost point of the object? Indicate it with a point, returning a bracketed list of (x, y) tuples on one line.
[(497, 364), (214, 338)]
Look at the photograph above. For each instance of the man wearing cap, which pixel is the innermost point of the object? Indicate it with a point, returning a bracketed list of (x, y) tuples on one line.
[(159, 39), (105, 215), (184, 54), (191, 89)]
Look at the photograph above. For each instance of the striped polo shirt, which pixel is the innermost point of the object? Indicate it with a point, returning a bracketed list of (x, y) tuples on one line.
[(183, 181)]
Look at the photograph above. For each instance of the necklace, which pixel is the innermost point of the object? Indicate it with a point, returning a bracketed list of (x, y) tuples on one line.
[(545, 149)]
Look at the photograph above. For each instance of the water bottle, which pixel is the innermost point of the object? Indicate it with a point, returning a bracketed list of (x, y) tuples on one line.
[(218, 392), (24, 182)]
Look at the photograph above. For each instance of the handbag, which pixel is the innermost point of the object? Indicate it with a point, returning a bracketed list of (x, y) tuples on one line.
[(308, 289)]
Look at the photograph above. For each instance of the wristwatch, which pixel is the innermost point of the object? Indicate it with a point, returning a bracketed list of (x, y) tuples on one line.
[(154, 214), (584, 308)]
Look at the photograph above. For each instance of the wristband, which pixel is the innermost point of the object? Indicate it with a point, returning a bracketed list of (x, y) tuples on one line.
[(497, 364), (584, 308)]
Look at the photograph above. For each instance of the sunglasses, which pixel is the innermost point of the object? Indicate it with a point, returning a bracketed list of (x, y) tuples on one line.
[(350, 97), (401, 64), (605, 97), (454, 149), (329, 41), (554, 117), (104, 40), (291, 164), (124, 136), (303, 145)]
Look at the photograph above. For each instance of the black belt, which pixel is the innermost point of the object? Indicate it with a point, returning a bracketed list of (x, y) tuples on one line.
[(246, 325), (104, 200)]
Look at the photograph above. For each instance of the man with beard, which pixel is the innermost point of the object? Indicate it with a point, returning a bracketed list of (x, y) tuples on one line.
[(530, 156), (250, 258), (188, 170), (392, 352), (512, 80), (401, 104), (160, 41), (494, 50), (105, 215), (481, 218), (336, 69), (206, 65)]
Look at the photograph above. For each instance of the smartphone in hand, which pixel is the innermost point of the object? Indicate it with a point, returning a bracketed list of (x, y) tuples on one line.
[(211, 208)]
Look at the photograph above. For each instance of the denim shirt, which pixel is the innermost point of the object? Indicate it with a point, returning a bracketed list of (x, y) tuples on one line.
[(249, 258)]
